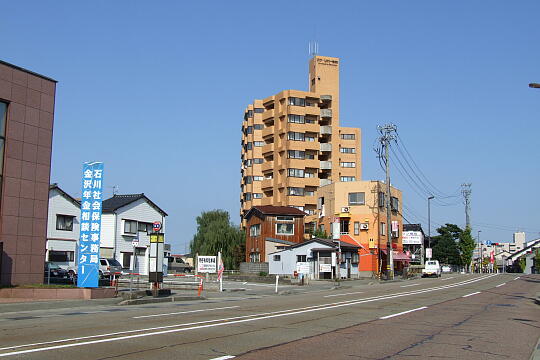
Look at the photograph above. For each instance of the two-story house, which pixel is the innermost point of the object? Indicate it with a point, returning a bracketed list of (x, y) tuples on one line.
[(125, 218)]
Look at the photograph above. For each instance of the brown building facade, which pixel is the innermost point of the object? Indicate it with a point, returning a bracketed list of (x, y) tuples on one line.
[(26, 128), (292, 143), (268, 225)]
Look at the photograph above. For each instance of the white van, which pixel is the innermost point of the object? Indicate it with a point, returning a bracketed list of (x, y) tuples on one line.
[(431, 268)]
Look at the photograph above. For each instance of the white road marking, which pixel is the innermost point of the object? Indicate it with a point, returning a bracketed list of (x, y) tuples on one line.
[(224, 321), (471, 294), (448, 278), (517, 278), (224, 357), (185, 312), (500, 285), (352, 293), (409, 285), (401, 313)]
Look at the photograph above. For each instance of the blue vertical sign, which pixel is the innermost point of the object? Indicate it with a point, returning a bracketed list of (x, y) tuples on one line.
[(89, 241)]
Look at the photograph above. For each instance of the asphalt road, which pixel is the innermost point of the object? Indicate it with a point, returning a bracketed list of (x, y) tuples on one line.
[(457, 316)]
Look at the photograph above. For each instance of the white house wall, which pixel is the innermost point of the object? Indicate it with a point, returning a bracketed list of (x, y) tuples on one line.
[(107, 231), (287, 265), (58, 204)]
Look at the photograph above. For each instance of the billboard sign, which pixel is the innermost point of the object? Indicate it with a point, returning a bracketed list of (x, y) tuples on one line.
[(207, 264), (302, 267), (429, 253), (325, 268), (90, 231), (412, 238)]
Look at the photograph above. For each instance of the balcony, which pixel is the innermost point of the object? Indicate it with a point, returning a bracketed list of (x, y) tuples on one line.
[(325, 165), (303, 128), (267, 184), (302, 145), (268, 114), (325, 130), (302, 163), (326, 97), (302, 182), (326, 113), (268, 148), (267, 131), (324, 182), (267, 165), (326, 147)]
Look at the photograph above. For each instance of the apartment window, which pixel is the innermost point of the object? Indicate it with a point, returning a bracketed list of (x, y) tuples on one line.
[(295, 191), (258, 160), (257, 178), (286, 218), (249, 146), (248, 162), (309, 212), (309, 174), (383, 229), (394, 203), (355, 258), (144, 227), (258, 126), (250, 113), (284, 229), (310, 121), (257, 195), (296, 136), (258, 143), (296, 154), (248, 179), (61, 256), (382, 199), (297, 101), (255, 230), (295, 172), (346, 150), (356, 228), (64, 222), (296, 119), (247, 196), (357, 198), (254, 257), (347, 164), (301, 258), (309, 193), (130, 227), (276, 257), (259, 110), (347, 178), (310, 156), (347, 136), (309, 138), (249, 130)]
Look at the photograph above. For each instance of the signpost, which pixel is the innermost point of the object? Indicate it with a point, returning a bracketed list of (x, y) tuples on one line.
[(429, 253), (206, 264), (90, 225), (155, 275)]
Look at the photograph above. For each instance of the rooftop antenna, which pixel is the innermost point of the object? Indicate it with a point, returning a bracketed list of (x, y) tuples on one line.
[(313, 48)]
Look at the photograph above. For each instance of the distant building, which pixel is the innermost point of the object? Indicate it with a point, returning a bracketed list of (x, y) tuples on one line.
[(26, 128)]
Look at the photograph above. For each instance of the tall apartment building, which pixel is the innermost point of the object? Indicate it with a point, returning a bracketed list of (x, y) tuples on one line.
[(292, 143)]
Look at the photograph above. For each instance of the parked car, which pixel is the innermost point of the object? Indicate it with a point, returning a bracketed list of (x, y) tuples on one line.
[(446, 269), (431, 268), (177, 264), (108, 267), (54, 271)]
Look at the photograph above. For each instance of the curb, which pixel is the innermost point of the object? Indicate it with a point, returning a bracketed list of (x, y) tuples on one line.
[(161, 300)]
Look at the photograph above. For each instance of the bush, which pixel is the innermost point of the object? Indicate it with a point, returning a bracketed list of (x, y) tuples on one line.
[(263, 273)]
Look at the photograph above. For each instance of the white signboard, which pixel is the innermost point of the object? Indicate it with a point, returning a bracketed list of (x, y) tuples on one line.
[(302, 267), (412, 238), (325, 268), (428, 253), (207, 264)]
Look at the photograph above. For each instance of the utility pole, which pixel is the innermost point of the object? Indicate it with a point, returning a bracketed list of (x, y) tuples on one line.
[(466, 192), (387, 134), (429, 219)]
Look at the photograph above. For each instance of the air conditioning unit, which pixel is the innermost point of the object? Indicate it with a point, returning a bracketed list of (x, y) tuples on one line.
[(345, 209), (364, 226)]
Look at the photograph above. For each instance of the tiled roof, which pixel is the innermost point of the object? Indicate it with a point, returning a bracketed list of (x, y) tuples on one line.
[(118, 201), (277, 210)]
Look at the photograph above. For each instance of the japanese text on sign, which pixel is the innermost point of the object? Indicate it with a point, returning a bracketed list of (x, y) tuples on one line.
[(207, 264)]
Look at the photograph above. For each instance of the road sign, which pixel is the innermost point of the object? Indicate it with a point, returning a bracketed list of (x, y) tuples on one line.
[(488, 242), (156, 226)]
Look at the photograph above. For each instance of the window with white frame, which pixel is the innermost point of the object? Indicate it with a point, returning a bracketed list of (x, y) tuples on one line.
[(297, 101), (285, 218), (347, 164), (295, 173), (64, 222), (296, 136), (295, 191), (257, 195), (296, 119), (296, 154), (347, 178), (276, 257), (347, 136), (346, 150), (383, 229), (284, 229), (258, 143), (255, 230)]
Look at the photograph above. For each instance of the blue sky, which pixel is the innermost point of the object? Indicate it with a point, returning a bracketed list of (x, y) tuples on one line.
[(161, 87)]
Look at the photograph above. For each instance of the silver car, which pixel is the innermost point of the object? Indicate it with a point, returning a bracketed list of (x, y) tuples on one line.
[(109, 267)]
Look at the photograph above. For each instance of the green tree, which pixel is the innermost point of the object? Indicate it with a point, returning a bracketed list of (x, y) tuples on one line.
[(216, 233), (537, 260), (319, 234), (445, 249), (466, 247)]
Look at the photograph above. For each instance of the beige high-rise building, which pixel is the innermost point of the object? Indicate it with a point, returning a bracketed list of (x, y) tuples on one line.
[(292, 143)]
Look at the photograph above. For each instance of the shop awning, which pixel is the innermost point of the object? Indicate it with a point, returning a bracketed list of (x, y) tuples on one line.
[(398, 256)]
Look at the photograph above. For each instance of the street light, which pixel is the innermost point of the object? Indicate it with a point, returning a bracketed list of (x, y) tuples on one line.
[(429, 219), (481, 252)]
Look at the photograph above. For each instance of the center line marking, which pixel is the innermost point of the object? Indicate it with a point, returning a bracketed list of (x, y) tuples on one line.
[(358, 292), (448, 278), (471, 294), (409, 285), (500, 285), (403, 312), (185, 312), (223, 357)]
